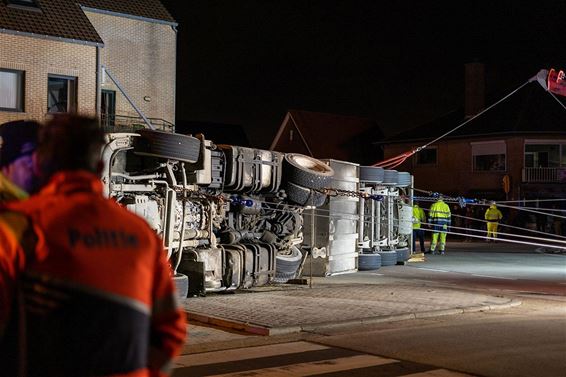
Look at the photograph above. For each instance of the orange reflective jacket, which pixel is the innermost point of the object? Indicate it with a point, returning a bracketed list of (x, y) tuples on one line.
[(98, 294)]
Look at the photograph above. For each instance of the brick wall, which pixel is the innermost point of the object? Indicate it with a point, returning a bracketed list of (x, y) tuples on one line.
[(141, 55), (41, 57), (453, 172)]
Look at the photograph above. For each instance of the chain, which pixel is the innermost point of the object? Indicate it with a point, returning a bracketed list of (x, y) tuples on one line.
[(333, 192)]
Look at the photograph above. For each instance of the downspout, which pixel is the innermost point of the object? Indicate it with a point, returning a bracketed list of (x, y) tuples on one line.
[(98, 98), (175, 79)]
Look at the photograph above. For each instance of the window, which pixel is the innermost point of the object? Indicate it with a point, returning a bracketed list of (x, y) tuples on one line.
[(426, 157), (61, 94), (489, 156), (23, 3), (543, 155), (11, 90)]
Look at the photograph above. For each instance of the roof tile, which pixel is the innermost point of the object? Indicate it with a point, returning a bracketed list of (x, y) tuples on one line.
[(52, 19), (65, 18), (151, 9)]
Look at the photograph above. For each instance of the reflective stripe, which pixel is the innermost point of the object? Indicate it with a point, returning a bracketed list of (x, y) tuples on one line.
[(165, 304), (74, 286)]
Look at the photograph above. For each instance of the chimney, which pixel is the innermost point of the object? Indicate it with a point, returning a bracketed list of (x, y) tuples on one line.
[(474, 95)]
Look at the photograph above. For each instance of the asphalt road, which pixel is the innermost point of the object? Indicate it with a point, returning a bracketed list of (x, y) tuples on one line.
[(499, 266), (528, 340)]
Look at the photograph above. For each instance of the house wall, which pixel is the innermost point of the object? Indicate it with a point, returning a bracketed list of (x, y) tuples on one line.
[(141, 55), (453, 174), (38, 58)]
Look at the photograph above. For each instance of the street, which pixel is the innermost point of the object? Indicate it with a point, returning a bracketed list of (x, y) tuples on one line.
[(525, 340)]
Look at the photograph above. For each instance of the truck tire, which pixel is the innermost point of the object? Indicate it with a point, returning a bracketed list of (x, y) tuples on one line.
[(181, 285), (167, 145), (306, 171), (372, 174), (390, 177), (286, 266), (388, 258), (369, 262), (403, 255), (403, 179), (304, 196)]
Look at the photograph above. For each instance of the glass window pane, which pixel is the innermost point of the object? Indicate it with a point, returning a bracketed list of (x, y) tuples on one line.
[(8, 90), (60, 94), (544, 155), (489, 162), (426, 157)]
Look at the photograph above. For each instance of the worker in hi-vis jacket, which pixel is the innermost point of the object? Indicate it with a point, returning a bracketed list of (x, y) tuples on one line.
[(439, 216), (493, 216)]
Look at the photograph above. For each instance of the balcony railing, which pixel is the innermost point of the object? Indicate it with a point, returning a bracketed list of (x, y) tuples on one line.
[(544, 175), (123, 123)]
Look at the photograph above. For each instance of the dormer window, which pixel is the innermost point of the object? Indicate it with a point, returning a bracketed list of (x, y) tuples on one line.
[(23, 3)]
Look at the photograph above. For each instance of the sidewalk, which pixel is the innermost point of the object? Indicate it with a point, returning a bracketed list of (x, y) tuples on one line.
[(353, 299)]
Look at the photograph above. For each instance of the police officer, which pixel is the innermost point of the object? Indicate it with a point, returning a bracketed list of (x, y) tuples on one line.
[(440, 218), (18, 142), (493, 216), (96, 292)]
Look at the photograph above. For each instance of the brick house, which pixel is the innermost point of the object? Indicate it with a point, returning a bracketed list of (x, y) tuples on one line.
[(53, 56), (522, 138), (324, 135)]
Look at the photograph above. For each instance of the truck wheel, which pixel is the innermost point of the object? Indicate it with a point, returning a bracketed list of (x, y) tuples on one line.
[(390, 177), (306, 171), (369, 262), (181, 285), (167, 145), (304, 196), (403, 255), (388, 258), (286, 265), (371, 174)]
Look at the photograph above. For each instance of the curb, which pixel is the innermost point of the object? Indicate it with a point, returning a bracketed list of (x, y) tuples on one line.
[(270, 331), (228, 324)]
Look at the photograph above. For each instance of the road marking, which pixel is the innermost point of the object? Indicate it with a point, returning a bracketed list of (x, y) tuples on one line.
[(251, 353), (300, 359), (493, 277), (316, 367), (438, 373), (432, 269)]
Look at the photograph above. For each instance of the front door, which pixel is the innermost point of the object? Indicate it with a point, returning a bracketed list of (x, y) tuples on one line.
[(108, 108)]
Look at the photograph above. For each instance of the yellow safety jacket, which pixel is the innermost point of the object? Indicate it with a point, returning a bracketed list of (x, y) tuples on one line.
[(418, 216), (493, 214), (439, 213), (9, 191)]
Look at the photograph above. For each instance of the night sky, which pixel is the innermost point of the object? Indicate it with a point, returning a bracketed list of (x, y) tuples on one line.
[(400, 63)]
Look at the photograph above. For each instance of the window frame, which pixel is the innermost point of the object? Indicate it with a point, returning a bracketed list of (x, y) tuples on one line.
[(561, 143), (31, 4), (20, 100), (71, 106), (416, 157), (486, 144)]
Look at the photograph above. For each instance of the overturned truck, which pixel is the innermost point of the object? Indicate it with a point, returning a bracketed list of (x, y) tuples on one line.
[(230, 217)]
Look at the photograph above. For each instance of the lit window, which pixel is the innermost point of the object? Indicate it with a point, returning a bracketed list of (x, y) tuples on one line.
[(489, 156), (11, 90), (61, 94)]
